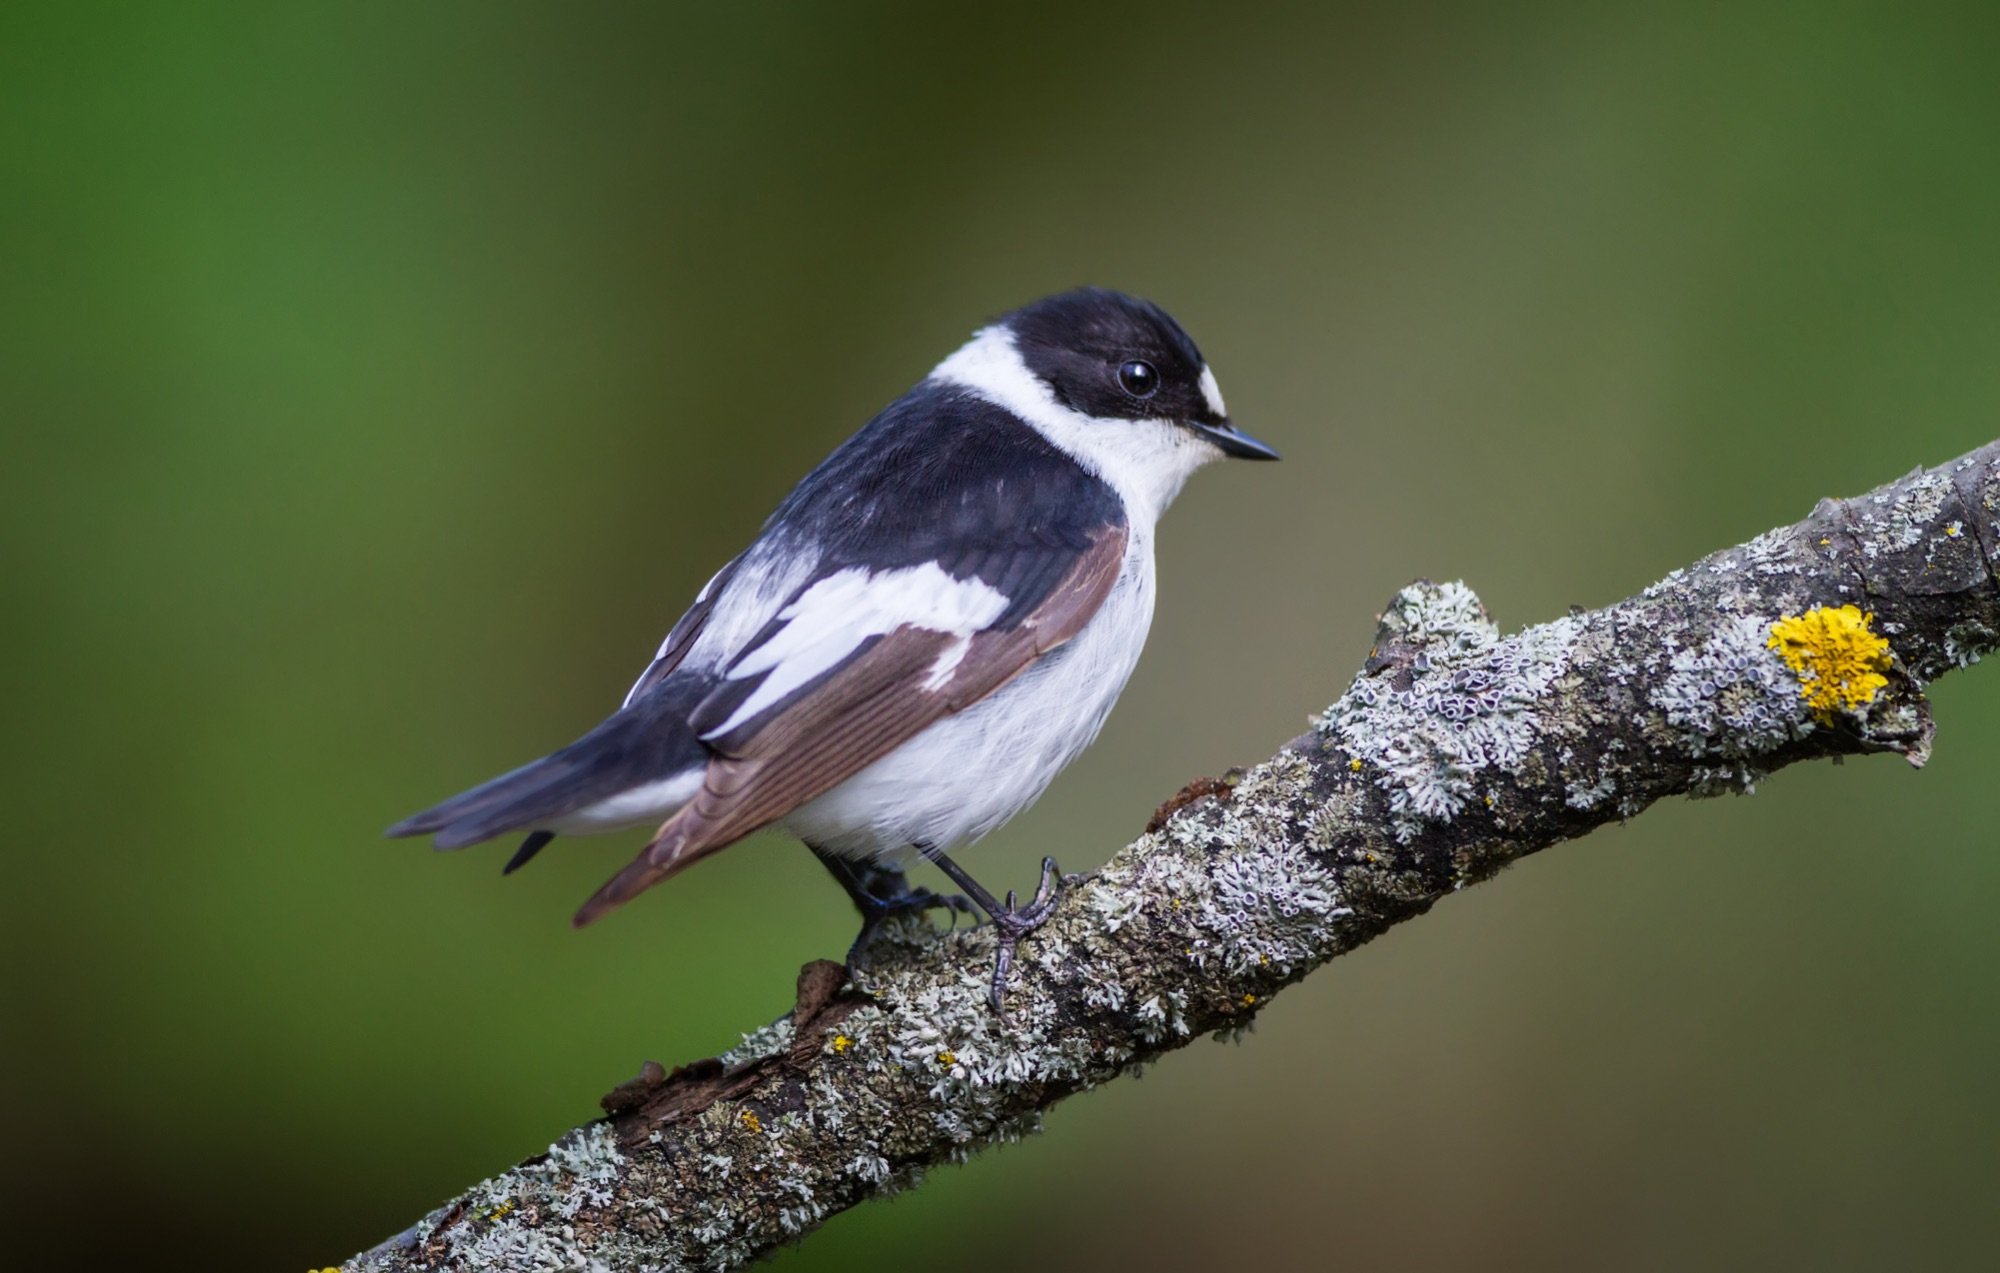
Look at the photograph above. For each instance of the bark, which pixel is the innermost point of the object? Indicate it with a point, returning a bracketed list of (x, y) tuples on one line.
[(1453, 753)]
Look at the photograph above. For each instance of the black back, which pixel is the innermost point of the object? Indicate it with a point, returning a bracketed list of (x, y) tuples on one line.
[(944, 475)]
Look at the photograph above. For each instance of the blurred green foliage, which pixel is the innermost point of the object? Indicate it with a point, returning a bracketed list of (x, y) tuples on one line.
[(378, 381)]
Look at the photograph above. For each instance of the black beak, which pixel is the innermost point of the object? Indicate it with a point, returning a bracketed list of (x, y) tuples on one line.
[(1234, 441)]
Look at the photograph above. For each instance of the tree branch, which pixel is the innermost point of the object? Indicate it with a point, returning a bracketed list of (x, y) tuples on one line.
[(1453, 753)]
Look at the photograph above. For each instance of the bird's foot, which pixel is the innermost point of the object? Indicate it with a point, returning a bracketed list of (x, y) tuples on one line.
[(878, 911), (1011, 921), (882, 892), (1015, 922)]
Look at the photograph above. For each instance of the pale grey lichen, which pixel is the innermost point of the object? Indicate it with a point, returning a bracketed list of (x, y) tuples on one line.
[(1472, 704), (510, 1214), (1731, 697), (1578, 795), (1898, 517), (1728, 779), (1444, 617), (976, 1064), (1116, 908), (1273, 910), (872, 1168), (1915, 507), (759, 1043), (1256, 915), (1769, 553), (1965, 643), (1162, 1016), (1665, 586)]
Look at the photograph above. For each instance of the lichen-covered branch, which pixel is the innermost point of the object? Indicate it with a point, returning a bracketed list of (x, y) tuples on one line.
[(1453, 753)]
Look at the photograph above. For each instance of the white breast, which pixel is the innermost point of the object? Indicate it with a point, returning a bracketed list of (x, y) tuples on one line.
[(969, 773)]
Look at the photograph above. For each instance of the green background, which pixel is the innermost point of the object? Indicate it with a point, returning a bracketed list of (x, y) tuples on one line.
[(378, 382)]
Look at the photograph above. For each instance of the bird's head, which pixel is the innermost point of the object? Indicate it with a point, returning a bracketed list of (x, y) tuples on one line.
[(1114, 357), (1111, 380)]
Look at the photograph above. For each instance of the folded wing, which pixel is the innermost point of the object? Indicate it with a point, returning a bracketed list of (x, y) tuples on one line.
[(860, 661)]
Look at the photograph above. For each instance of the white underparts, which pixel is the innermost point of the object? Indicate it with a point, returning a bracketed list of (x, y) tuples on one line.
[(970, 772)]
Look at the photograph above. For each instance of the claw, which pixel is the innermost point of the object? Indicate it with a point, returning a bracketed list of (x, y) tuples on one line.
[(881, 893), (1011, 920), (914, 901)]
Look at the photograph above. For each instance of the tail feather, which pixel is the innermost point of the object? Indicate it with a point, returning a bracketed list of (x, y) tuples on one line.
[(636, 745), (658, 860), (487, 795), (535, 843), (697, 830)]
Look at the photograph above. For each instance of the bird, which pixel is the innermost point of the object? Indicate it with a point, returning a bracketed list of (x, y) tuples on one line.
[(931, 626)]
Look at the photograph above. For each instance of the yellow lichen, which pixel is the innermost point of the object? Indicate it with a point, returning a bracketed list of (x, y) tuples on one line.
[(947, 1058), (755, 1124), (1249, 1000), (841, 1043), (1355, 764), (1838, 658)]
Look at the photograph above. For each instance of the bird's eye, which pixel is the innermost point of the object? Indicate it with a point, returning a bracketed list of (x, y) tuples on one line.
[(1139, 379)]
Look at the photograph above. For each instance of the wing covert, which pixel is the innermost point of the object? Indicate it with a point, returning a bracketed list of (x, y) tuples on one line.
[(832, 717), (681, 637)]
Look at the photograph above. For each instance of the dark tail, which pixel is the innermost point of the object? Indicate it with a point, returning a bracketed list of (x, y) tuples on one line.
[(535, 843), (638, 744)]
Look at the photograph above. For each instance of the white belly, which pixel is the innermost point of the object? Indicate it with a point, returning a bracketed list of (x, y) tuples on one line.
[(969, 773)]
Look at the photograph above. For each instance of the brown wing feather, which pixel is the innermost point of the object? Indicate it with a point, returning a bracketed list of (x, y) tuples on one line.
[(872, 704)]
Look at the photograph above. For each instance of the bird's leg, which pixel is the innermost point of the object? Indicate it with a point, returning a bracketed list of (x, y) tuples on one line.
[(1013, 922), (881, 892)]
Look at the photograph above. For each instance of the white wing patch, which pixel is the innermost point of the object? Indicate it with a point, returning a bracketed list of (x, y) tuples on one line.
[(667, 641), (946, 663), (771, 571), (831, 619)]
